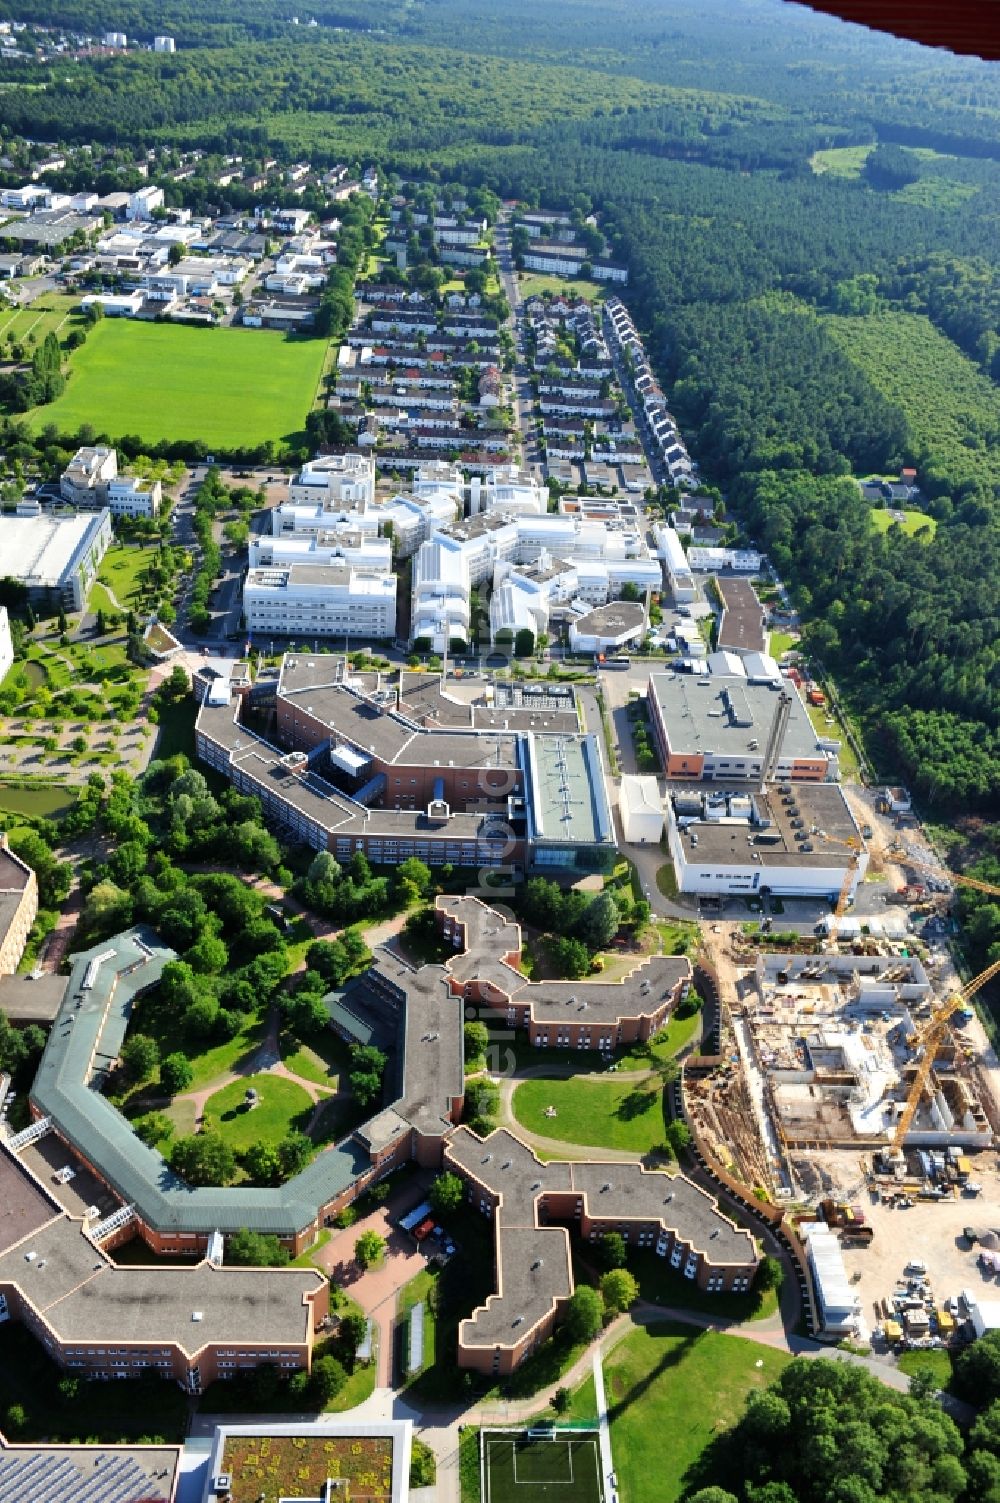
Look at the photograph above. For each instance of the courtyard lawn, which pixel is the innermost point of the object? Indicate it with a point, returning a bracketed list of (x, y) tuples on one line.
[(416, 1292), (281, 1107), (231, 388), (324, 1061), (603, 1113), (676, 1381)]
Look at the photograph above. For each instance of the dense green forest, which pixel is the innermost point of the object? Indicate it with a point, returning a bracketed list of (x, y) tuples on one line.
[(810, 216)]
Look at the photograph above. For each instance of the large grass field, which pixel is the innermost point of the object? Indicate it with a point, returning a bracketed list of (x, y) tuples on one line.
[(231, 388), (604, 1113), (677, 1382)]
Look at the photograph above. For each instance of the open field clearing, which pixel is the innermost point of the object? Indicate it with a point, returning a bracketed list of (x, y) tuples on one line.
[(228, 387)]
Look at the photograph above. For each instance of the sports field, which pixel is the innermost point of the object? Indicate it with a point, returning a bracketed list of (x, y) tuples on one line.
[(519, 1469), (232, 388)]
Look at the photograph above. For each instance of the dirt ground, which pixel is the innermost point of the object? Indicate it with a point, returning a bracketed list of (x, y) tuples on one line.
[(930, 1231)]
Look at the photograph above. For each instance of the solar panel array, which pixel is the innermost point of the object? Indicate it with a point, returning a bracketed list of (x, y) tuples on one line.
[(56, 1479)]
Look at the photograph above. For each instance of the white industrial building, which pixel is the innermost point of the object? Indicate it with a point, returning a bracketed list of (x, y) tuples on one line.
[(675, 563), (320, 600), (785, 844), (560, 558), (641, 810), (712, 560), (55, 556), (164, 44), (837, 1300), (507, 489), (6, 645)]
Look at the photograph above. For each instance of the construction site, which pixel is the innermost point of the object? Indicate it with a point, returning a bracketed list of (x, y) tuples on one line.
[(825, 1072)]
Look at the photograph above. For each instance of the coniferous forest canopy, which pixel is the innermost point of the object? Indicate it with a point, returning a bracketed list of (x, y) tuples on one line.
[(815, 313)]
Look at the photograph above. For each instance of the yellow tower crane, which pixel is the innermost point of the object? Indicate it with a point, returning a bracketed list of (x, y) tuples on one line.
[(930, 1039)]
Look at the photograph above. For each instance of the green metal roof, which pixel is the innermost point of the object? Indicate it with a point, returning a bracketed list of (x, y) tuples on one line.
[(86, 1036)]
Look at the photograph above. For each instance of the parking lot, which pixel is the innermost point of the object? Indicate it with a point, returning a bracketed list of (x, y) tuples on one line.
[(931, 1232)]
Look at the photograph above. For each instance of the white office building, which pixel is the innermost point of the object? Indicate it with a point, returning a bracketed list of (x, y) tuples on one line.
[(164, 44), (143, 202), (335, 480), (362, 550), (85, 480), (320, 600), (128, 496)]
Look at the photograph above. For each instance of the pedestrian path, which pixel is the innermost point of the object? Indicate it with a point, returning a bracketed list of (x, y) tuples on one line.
[(603, 1428)]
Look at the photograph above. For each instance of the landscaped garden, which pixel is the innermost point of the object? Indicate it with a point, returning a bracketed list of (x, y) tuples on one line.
[(230, 388)]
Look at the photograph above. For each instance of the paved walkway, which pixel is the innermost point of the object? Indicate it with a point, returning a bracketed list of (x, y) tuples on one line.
[(603, 1428)]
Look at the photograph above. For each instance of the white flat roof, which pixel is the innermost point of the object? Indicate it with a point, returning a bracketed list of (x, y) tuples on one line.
[(39, 550)]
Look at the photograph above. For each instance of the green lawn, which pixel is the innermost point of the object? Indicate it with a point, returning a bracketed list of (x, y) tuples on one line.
[(323, 1061), (671, 1390), (938, 1362), (666, 881), (848, 761), (48, 315), (604, 1113), (175, 732), (841, 161), (228, 387), (882, 520), (668, 1042), (534, 284), (781, 641), (123, 570), (282, 1106)]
